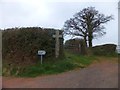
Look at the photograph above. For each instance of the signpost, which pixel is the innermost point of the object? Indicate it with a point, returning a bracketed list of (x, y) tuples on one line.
[(57, 45), (41, 53)]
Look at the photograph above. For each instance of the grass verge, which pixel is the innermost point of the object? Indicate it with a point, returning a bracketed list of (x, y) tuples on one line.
[(70, 62)]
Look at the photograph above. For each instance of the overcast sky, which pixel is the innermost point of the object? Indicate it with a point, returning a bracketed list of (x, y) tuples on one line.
[(53, 14)]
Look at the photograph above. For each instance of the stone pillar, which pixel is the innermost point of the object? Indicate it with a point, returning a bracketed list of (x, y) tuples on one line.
[(57, 44)]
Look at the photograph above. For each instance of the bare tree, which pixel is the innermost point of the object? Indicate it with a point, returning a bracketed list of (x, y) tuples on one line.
[(88, 24)]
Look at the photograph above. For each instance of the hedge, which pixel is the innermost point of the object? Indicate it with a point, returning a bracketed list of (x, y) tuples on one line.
[(106, 49), (76, 45), (20, 45)]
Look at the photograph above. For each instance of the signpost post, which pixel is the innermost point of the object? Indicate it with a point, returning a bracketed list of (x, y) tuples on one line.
[(57, 44), (41, 53)]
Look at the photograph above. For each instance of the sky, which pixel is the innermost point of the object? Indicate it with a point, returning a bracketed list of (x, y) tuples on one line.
[(53, 14)]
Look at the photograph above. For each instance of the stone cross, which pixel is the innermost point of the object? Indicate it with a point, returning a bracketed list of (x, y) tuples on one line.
[(57, 44)]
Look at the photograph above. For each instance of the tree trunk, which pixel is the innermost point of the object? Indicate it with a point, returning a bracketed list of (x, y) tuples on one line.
[(90, 37), (90, 41), (85, 41)]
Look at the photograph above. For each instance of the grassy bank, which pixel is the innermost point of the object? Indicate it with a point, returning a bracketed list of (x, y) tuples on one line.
[(70, 62)]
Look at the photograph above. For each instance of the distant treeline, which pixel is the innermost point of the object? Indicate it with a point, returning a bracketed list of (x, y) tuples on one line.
[(20, 45)]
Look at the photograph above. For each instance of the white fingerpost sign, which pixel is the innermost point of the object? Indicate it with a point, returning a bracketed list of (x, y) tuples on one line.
[(41, 53)]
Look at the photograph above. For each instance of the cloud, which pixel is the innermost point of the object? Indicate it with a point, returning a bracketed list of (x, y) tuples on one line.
[(53, 14), (18, 13)]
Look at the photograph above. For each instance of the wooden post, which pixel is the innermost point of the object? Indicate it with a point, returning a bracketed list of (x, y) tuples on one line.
[(57, 44)]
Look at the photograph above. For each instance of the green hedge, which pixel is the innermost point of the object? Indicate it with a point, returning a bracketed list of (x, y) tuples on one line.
[(106, 49), (20, 45)]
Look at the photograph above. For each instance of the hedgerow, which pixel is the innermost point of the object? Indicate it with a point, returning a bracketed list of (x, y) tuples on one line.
[(20, 45)]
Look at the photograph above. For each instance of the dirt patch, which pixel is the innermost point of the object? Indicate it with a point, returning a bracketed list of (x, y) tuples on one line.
[(98, 75)]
